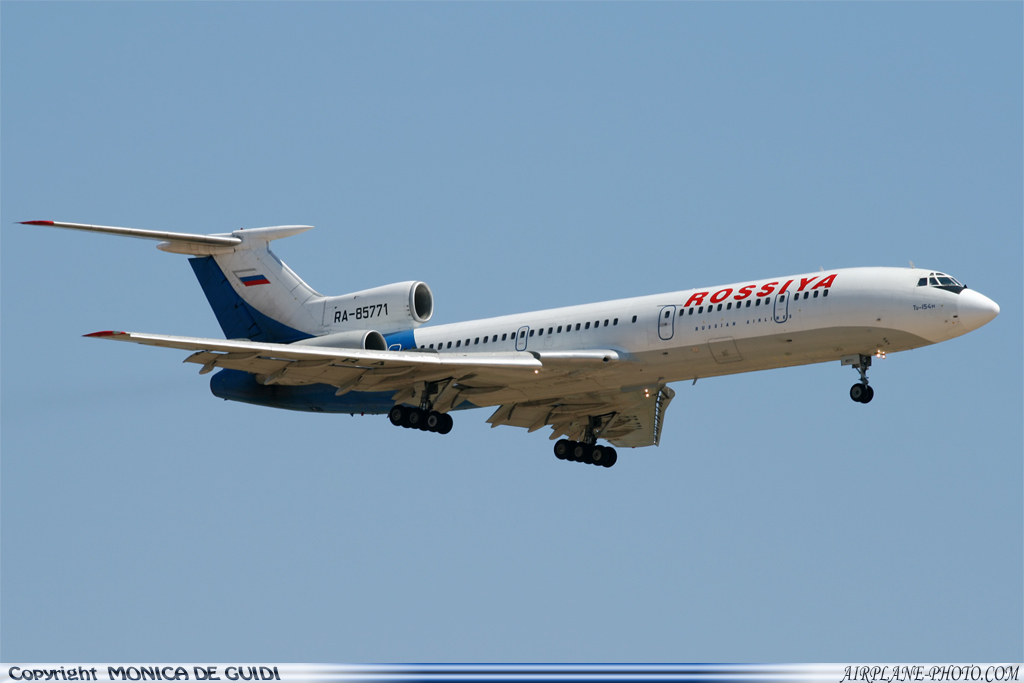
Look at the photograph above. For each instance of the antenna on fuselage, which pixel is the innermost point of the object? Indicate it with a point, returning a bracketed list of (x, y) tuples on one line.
[(912, 264)]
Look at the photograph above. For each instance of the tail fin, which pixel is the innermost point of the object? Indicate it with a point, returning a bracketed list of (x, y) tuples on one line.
[(252, 292)]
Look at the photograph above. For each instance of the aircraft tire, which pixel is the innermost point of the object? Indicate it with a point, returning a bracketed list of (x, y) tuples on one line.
[(857, 392), (397, 416), (417, 418), (611, 456), (869, 394), (562, 447), (433, 421), (578, 451), (446, 424), (597, 454)]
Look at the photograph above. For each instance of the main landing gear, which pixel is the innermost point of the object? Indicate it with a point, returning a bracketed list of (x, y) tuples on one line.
[(418, 418), (587, 450), (591, 454), (861, 392)]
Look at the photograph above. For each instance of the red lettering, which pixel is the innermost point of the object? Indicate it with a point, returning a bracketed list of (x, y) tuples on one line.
[(804, 281), (827, 282), (745, 292), (696, 299), (785, 286), (721, 295), (766, 290)]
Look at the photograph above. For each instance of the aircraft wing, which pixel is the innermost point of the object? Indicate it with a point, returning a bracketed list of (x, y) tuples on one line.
[(568, 383), (532, 390)]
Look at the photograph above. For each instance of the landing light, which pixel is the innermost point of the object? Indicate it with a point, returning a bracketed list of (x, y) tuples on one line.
[(536, 372), (880, 354)]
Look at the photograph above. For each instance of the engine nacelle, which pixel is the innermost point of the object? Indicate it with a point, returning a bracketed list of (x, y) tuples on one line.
[(391, 308), (371, 340)]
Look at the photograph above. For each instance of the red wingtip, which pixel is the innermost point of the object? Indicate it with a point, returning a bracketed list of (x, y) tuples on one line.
[(37, 223), (104, 333)]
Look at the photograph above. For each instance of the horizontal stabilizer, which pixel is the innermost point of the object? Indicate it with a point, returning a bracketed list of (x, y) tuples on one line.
[(213, 240), (188, 243)]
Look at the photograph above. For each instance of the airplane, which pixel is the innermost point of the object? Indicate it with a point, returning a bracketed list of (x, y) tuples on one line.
[(591, 372)]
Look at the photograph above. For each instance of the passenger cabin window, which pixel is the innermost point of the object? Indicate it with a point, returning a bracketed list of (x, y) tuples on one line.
[(615, 322), (485, 340), (577, 327), (606, 323), (476, 341), (504, 336), (458, 343), (449, 345), (549, 330), (728, 306), (559, 329), (825, 293), (719, 306), (587, 326), (522, 334), (634, 318), (531, 333)]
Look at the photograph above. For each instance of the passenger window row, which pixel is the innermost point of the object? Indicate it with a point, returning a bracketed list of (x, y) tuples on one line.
[(522, 334), (739, 304)]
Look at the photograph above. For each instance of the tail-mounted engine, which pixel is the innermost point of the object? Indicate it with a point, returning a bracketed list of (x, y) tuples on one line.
[(387, 309)]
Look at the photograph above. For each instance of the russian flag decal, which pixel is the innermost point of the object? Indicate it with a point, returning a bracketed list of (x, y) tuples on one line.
[(250, 277)]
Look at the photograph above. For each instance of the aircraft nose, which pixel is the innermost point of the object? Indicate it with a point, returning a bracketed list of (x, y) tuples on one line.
[(975, 309)]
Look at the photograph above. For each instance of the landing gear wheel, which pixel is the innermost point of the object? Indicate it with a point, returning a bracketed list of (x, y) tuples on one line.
[(869, 394), (562, 448), (397, 415), (417, 419), (858, 392), (578, 452), (446, 423), (597, 455), (610, 457), (433, 421)]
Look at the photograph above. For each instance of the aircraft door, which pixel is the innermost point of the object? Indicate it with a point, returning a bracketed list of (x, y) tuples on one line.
[(781, 308), (666, 322), (521, 337)]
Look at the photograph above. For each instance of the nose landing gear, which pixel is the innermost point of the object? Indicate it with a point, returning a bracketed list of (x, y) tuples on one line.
[(860, 392)]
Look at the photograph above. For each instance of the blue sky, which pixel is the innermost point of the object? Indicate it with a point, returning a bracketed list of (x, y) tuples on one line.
[(515, 157)]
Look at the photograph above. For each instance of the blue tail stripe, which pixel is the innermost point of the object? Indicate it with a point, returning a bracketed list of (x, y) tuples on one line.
[(238, 319)]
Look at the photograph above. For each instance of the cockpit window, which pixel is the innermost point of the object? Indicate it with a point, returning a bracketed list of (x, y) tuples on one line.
[(942, 281)]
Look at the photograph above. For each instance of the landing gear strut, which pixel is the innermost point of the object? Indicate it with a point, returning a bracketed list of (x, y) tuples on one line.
[(587, 450), (860, 392)]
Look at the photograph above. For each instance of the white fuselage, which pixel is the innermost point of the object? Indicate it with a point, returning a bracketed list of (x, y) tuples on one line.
[(736, 328)]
